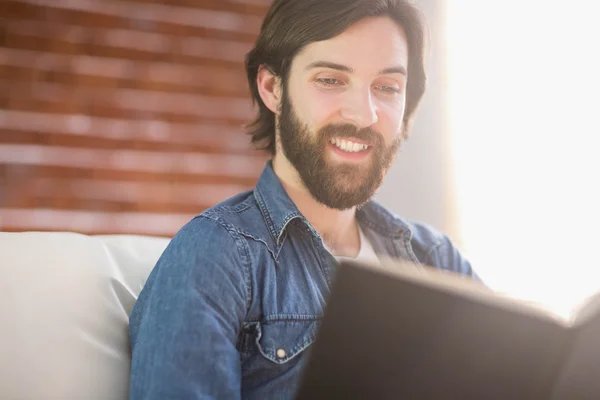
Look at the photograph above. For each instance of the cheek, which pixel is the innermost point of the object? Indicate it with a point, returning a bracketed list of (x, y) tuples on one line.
[(390, 120), (321, 108)]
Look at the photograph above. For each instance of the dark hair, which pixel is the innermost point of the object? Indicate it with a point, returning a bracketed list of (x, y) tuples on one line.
[(290, 25)]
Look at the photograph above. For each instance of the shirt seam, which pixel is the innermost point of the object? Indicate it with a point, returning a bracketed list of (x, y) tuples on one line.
[(434, 248), (241, 245)]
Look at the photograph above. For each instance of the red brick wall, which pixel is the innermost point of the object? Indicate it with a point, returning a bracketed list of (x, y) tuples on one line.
[(123, 116)]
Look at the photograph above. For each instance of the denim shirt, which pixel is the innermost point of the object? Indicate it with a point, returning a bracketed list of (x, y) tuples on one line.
[(233, 304)]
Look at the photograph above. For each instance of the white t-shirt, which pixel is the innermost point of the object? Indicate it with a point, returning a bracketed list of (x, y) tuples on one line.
[(365, 254)]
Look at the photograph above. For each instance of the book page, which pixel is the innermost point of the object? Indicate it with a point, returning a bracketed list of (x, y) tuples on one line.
[(578, 375), (588, 309)]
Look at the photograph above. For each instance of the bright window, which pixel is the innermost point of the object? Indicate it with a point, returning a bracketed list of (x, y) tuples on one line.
[(524, 111)]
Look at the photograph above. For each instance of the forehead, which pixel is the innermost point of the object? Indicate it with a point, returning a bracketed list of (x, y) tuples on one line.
[(370, 45)]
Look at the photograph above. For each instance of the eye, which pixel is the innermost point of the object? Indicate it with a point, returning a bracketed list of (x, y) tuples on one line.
[(329, 82), (388, 89)]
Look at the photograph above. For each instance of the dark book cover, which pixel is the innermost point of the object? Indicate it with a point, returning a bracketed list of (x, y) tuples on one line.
[(420, 334)]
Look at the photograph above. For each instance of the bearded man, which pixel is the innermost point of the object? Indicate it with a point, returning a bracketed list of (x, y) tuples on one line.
[(234, 303)]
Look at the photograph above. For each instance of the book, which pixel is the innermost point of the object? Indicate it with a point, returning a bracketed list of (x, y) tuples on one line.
[(412, 332)]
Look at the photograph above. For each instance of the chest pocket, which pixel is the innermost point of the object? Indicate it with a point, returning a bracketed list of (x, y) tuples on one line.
[(281, 341), (273, 353)]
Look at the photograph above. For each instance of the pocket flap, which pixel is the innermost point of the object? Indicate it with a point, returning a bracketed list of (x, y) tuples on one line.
[(282, 340)]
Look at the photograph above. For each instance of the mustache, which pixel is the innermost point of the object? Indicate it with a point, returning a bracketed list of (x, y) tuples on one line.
[(346, 131)]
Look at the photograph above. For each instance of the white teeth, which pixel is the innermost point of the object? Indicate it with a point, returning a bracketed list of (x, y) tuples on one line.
[(348, 146)]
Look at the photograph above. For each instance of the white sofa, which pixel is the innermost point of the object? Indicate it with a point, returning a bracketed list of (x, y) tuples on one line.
[(64, 311)]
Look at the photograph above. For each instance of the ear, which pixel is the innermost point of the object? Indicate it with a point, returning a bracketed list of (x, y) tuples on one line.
[(269, 88)]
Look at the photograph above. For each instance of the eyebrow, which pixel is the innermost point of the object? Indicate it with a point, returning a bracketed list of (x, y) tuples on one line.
[(326, 64)]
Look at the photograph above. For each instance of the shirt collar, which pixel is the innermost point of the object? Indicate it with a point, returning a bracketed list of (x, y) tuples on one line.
[(275, 205), (278, 210), (383, 221)]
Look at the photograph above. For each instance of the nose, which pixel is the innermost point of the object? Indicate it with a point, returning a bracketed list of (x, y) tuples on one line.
[(360, 109)]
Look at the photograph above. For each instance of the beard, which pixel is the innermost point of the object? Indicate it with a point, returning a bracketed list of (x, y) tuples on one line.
[(336, 185)]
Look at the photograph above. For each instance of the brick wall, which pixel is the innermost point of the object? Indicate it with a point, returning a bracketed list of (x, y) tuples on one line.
[(123, 116)]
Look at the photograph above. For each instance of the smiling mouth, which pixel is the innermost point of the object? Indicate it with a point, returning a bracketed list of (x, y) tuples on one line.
[(349, 146)]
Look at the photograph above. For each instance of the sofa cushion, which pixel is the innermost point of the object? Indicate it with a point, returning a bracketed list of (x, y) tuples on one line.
[(66, 300)]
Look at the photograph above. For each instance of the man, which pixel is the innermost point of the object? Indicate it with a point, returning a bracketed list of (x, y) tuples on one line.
[(234, 303)]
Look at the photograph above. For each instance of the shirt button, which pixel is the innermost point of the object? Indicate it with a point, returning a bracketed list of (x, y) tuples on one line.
[(281, 353)]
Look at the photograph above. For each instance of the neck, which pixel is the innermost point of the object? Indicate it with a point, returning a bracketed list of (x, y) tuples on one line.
[(338, 228)]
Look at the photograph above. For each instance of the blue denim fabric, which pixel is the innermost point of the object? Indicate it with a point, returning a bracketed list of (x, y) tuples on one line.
[(234, 302)]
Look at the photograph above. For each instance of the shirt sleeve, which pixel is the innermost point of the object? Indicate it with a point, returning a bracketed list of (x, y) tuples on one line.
[(444, 255), (185, 324)]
